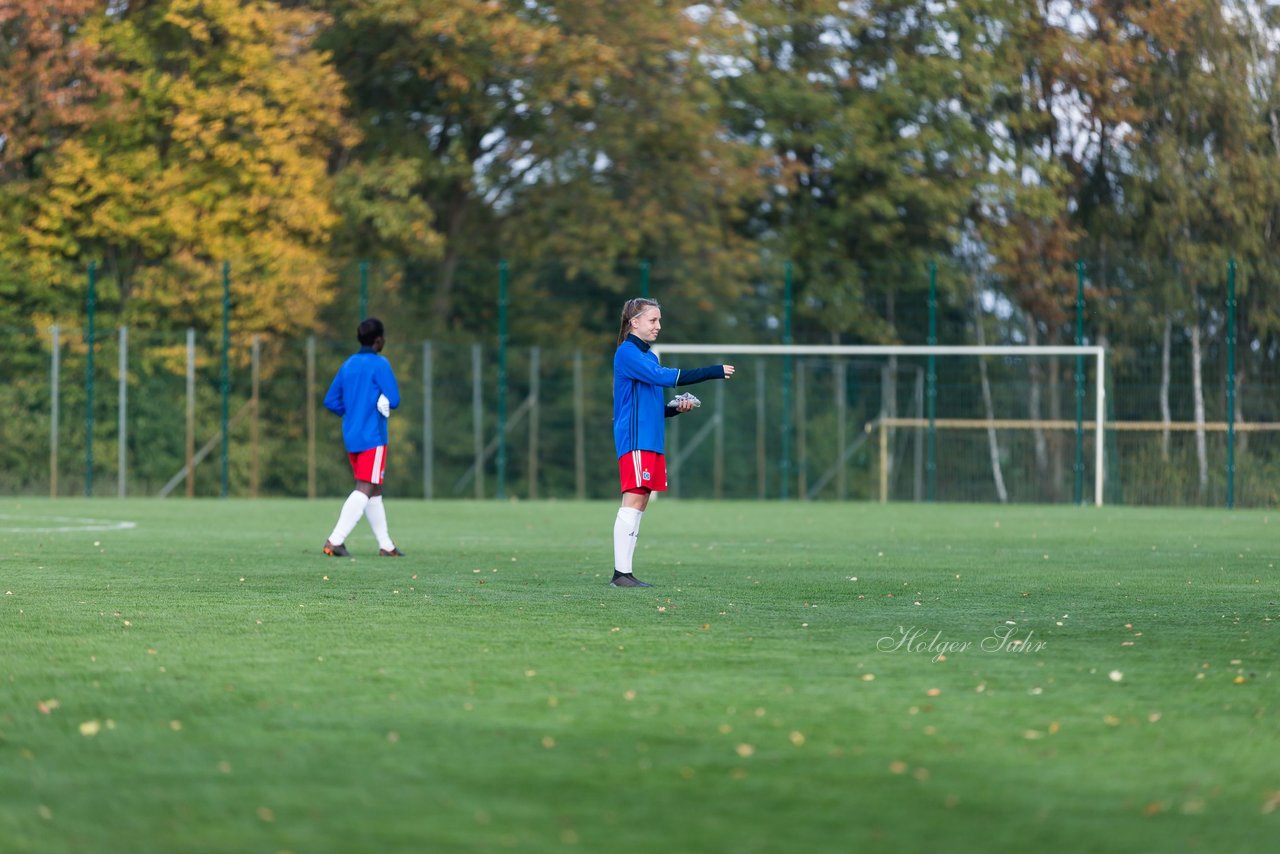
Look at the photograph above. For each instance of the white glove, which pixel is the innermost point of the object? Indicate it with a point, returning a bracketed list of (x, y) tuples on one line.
[(679, 398), (384, 406)]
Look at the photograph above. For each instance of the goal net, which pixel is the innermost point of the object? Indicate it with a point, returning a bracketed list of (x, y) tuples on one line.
[(894, 423)]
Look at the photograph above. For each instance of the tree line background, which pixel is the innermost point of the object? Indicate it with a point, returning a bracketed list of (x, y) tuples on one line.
[(693, 146)]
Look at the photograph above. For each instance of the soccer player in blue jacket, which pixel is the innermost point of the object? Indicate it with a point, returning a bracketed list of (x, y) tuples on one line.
[(638, 416), (364, 392)]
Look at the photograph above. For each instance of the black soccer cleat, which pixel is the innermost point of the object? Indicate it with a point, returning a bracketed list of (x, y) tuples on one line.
[(335, 551), (395, 552), (622, 579)]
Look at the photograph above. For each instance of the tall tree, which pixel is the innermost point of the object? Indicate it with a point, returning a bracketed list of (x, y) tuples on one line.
[(866, 111), (220, 154), (1195, 129), (451, 94), (53, 82)]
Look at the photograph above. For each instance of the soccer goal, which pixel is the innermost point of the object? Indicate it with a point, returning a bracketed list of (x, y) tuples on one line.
[(900, 422)]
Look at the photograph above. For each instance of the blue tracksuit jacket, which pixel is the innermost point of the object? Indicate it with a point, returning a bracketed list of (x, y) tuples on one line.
[(353, 394), (639, 408)]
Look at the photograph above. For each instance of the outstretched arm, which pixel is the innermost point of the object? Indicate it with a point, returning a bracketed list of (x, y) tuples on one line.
[(701, 375)]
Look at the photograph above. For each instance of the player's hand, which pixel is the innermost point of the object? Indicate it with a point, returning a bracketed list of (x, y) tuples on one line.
[(384, 406), (728, 371), (684, 402)]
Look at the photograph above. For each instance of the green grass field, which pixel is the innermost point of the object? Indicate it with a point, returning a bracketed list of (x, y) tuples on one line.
[(208, 681)]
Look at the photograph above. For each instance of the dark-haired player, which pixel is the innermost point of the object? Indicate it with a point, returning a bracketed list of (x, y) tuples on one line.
[(364, 392)]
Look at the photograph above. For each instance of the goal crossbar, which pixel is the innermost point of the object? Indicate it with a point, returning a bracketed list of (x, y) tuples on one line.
[(1098, 354)]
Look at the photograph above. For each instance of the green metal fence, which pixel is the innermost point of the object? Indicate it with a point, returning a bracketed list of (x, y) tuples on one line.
[(106, 409)]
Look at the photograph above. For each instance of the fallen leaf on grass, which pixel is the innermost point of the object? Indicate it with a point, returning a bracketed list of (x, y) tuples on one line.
[(745, 750), (1271, 803), (90, 728)]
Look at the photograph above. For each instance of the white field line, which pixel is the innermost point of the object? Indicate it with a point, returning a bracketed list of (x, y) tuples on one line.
[(72, 524)]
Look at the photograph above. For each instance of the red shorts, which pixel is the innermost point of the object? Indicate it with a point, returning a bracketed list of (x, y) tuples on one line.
[(370, 465), (643, 471)]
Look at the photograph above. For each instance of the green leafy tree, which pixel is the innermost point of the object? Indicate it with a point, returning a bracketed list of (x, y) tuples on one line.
[(220, 152), (868, 116)]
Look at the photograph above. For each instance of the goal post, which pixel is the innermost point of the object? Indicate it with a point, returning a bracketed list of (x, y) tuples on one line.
[(1097, 353)]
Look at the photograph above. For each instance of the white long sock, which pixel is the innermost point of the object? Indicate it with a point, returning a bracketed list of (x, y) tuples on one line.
[(635, 535), (625, 527), (352, 510), (377, 516)]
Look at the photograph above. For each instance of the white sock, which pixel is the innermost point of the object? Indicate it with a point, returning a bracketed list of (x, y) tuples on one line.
[(377, 515), (624, 538), (352, 510), (635, 534)]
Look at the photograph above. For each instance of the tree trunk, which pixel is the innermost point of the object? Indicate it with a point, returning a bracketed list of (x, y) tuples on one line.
[(993, 445), (1165, 417), (1057, 463), (1197, 384), (889, 386), (1242, 438), (442, 299), (1033, 405)]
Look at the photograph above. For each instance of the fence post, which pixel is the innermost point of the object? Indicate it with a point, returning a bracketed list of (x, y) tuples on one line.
[(55, 371), (785, 481), (644, 279), (477, 418), (1231, 384), (1079, 463), (88, 409), (122, 429), (802, 445), (579, 430), (884, 461), (253, 425), (535, 368), (842, 416), (717, 471), (762, 477), (191, 412), (311, 416), (931, 392), (501, 487), (428, 426), (226, 376)]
